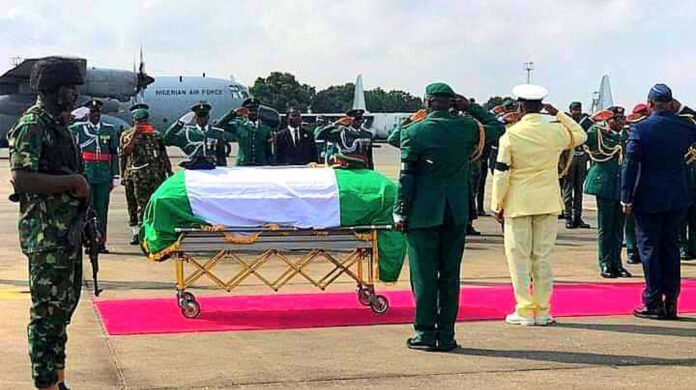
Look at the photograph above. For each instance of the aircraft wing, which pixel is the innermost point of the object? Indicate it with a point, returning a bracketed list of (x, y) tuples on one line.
[(16, 80)]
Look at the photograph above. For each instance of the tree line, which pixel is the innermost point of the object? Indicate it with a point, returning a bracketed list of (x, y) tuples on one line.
[(281, 90)]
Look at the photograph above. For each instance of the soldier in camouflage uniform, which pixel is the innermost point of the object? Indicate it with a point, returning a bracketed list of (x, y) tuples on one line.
[(98, 142), (131, 202), (148, 163), (45, 166)]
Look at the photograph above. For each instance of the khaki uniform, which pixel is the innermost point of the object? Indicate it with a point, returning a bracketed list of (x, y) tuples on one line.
[(525, 186)]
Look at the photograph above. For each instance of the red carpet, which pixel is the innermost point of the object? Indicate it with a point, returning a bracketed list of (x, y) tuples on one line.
[(285, 311)]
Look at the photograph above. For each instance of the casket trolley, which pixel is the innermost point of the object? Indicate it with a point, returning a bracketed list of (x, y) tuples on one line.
[(350, 251)]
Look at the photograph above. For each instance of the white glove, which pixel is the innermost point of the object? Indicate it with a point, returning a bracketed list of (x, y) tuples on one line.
[(80, 113), (187, 118), (115, 182)]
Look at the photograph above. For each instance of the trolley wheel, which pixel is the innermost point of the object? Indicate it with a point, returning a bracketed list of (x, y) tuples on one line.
[(365, 296), (379, 304), (190, 309), (187, 296)]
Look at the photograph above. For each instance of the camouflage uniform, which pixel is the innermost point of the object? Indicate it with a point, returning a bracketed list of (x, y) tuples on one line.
[(147, 166), (131, 202), (38, 143)]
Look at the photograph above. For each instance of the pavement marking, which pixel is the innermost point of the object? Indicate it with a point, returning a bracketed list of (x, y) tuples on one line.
[(13, 294)]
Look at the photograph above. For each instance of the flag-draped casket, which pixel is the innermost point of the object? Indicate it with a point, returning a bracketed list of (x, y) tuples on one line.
[(298, 197)]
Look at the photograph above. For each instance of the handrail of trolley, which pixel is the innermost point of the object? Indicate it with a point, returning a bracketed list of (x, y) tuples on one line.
[(232, 229)]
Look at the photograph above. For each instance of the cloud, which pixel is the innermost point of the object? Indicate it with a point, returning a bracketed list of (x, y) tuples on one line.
[(478, 47)]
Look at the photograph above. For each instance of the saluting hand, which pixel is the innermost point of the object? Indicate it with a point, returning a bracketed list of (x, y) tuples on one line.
[(550, 109), (242, 111)]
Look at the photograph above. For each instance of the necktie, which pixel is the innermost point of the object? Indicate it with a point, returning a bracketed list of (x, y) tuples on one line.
[(296, 134)]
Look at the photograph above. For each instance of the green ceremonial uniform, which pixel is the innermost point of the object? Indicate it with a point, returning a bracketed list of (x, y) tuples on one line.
[(351, 145), (195, 141), (572, 183), (253, 137), (148, 165), (39, 143), (433, 197), (99, 146), (605, 149)]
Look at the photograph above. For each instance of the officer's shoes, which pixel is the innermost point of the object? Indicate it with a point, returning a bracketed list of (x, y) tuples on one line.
[(447, 346), (570, 224), (623, 273), (470, 231), (634, 260), (134, 240), (684, 254), (62, 386), (651, 313), (104, 251), (419, 345), (482, 213), (516, 319), (544, 320), (607, 273), (581, 224)]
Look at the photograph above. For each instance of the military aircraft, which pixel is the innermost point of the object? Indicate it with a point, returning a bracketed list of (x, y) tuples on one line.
[(168, 97)]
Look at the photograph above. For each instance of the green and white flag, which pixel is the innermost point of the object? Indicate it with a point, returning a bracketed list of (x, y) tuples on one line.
[(316, 198)]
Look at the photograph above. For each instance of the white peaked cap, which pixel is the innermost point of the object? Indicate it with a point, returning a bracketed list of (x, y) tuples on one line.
[(530, 92)]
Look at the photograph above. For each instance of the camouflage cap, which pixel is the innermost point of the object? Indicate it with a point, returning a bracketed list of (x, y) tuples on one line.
[(440, 89), (52, 72)]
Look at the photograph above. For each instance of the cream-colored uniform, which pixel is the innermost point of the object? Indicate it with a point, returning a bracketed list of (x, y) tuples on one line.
[(525, 187)]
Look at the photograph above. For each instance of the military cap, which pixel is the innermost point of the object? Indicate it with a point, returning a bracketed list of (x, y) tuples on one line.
[(660, 93), (251, 102), (575, 105), (440, 89), (640, 108), (201, 108), (137, 106), (140, 114), (530, 92), (94, 104), (617, 110), (355, 113), (52, 72)]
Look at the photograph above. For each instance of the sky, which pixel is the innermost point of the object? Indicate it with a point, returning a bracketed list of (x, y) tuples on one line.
[(478, 47)]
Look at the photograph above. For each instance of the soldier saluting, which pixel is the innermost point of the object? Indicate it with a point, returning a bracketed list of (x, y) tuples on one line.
[(199, 141), (98, 142), (44, 161)]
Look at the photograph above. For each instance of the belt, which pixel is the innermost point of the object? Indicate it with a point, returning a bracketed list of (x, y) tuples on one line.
[(91, 156)]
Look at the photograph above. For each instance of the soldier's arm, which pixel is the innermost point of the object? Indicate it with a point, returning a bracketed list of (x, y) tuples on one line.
[(501, 175), (129, 144), (113, 150), (591, 141), (327, 133), (492, 127), (407, 175), (576, 136), (163, 154), (171, 135), (631, 167), (394, 138), (26, 146)]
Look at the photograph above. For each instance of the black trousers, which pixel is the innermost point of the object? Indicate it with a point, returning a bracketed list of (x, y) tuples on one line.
[(658, 244)]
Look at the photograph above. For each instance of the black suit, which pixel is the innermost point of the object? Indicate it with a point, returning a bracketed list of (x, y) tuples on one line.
[(290, 153)]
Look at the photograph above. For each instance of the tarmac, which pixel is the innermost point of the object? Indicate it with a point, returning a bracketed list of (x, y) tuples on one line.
[(603, 352)]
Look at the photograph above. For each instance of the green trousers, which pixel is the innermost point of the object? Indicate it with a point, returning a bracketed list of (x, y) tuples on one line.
[(100, 194), (131, 202), (435, 256), (610, 221), (55, 282), (687, 236), (631, 243)]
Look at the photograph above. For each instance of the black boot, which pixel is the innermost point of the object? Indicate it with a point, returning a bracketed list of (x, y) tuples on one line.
[(134, 240), (634, 259), (570, 224), (650, 312), (684, 254), (607, 272), (581, 224), (470, 231), (623, 272)]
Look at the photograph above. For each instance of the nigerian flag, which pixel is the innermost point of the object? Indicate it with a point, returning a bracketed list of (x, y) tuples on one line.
[(307, 198)]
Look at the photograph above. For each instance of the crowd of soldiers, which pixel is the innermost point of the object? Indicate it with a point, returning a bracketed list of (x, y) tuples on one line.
[(59, 165)]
